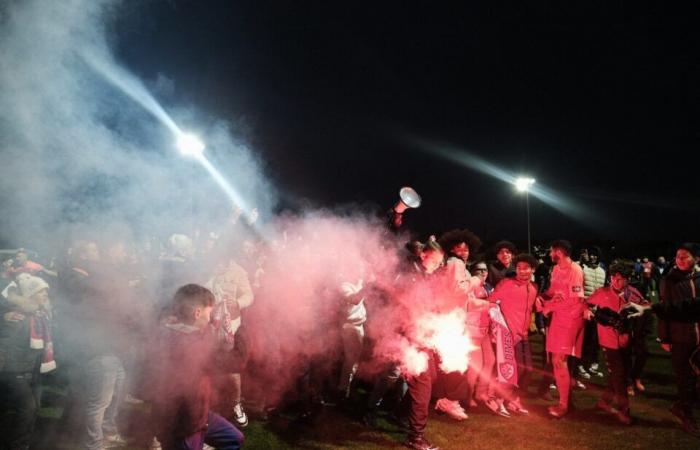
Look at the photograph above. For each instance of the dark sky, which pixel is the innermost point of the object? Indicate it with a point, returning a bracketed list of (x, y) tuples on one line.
[(598, 103)]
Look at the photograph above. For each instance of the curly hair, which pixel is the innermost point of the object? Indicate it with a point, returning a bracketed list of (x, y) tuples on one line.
[(624, 268), (504, 244), (528, 259), (454, 237)]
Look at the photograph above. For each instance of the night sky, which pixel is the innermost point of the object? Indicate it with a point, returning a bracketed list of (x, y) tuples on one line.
[(598, 103)]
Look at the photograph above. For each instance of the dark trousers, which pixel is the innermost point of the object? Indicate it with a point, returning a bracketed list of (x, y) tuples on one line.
[(639, 350), (420, 389), (589, 352), (20, 396), (685, 377), (616, 392), (385, 382), (452, 386), (523, 357), (220, 434)]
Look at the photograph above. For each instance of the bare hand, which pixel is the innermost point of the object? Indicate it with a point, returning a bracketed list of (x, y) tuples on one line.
[(588, 314)]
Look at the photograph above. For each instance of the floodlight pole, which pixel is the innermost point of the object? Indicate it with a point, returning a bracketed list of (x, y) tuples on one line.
[(527, 211)]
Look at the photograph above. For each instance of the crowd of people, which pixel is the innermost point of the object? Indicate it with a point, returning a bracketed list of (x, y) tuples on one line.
[(194, 327)]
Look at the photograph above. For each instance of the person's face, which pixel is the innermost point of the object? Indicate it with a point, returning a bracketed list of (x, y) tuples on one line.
[(555, 255), (523, 271), (202, 316), (461, 251), (21, 258), (431, 260), (593, 259), (505, 256), (618, 282), (91, 253), (662, 260), (41, 297), (685, 260), (481, 271)]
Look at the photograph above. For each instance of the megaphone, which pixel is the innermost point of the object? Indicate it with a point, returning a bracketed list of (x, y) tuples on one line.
[(408, 198)]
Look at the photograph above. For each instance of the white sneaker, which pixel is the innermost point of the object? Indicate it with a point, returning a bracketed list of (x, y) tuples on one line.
[(496, 406), (133, 400), (113, 440), (451, 408), (582, 373), (240, 416)]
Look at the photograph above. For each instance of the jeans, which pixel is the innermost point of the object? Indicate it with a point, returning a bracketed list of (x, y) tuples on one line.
[(104, 392), (220, 434), (19, 403)]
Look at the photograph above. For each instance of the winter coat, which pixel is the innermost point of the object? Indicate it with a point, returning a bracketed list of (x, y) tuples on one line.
[(606, 297), (680, 290), (593, 278)]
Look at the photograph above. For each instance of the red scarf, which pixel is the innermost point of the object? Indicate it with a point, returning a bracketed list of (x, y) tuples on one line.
[(506, 365), (40, 338)]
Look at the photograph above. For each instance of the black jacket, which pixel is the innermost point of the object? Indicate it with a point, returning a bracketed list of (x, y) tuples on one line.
[(679, 291)]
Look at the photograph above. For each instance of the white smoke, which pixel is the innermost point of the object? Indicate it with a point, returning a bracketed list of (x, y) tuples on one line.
[(83, 143)]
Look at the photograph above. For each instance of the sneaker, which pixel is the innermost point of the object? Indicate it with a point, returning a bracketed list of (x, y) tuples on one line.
[(639, 386), (557, 411), (687, 422), (604, 406), (583, 374), (595, 370), (132, 400), (622, 416), (517, 407), (240, 416), (113, 440), (496, 407), (155, 445), (420, 443), (578, 385), (451, 408)]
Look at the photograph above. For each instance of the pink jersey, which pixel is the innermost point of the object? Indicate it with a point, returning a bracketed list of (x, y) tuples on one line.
[(565, 334)]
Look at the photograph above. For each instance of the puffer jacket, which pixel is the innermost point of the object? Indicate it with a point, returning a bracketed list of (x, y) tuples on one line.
[(680, 289)]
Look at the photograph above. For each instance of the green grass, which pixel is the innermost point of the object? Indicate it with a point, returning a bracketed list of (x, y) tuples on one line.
[(585, 428)]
